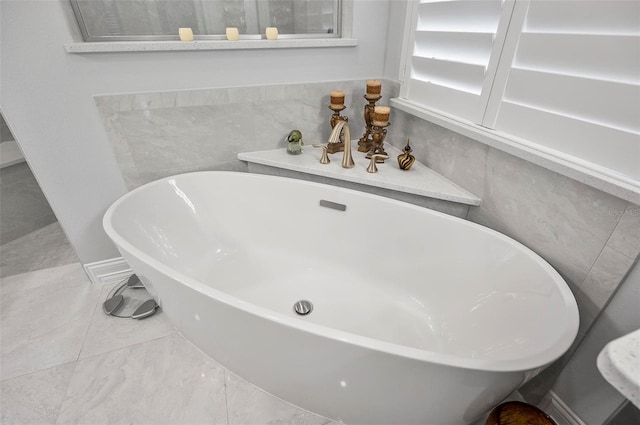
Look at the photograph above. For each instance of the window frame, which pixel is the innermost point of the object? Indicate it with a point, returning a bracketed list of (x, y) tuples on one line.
[(87, 38)]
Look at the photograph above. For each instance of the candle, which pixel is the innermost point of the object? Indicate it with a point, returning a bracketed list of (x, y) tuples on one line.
[(381, 116), (272, 33), (185, 34), (232, 34), (337, 98), (373, 87)]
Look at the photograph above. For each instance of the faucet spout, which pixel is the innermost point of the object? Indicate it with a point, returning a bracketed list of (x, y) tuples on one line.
[(347, 159)]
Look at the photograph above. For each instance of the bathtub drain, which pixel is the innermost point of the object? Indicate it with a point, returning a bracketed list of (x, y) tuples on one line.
[(303, 307)]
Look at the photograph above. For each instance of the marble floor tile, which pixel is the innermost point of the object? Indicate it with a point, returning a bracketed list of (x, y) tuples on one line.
[(164, 381), (40, 327), (108, 333), (248, 404), (41, 249), (23, 208), (35, 398), (48, 280)]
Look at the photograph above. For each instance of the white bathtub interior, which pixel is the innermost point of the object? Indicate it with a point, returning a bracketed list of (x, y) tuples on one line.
[(364, 270)]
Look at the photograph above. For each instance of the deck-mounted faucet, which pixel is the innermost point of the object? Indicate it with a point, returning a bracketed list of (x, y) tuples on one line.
[(347, 159)]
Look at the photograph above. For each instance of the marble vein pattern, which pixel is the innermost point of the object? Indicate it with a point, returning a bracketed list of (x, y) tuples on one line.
[(35, 398), (42, 327), (138, 384), (156, 135), (559, 218), (68, 363), (453, 155), (264, 408), (24, 208), (43, 248), (626, 237), (601, 282)]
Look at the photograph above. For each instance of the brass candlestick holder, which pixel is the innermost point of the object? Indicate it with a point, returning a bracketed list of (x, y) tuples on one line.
[(365, 142), (378, 134), (335, 119)]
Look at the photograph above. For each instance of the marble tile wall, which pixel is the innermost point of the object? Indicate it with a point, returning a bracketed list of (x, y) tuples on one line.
[(590, 237), (156, 135)]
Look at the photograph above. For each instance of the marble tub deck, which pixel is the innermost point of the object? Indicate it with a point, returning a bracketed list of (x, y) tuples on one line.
[(63, 361)]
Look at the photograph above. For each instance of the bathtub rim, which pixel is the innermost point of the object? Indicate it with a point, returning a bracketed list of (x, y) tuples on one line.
[(528, 363)]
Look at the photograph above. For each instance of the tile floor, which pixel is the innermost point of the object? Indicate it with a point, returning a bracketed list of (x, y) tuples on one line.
[(40, 249), (24, 207), (63, 361)]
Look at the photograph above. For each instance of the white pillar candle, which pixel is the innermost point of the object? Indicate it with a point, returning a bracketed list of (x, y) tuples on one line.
[(185, 34), (272, 33), (232, 34)]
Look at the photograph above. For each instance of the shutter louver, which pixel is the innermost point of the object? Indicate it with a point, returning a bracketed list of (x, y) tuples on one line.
[(574, 84), (453, 44)]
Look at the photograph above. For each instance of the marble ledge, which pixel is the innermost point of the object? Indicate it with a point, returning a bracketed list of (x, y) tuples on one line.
[(619, 364), (419, 180), (167, 46)]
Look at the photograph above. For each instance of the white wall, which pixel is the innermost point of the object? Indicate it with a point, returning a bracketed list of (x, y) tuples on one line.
[(395, 34), (46, 96)]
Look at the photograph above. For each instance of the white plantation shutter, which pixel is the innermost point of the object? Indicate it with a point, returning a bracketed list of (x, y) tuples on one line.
[(452, 47), (563, 75), (574, 84)]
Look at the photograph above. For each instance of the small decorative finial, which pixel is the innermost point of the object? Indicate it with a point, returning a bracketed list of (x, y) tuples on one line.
[(405, 159)]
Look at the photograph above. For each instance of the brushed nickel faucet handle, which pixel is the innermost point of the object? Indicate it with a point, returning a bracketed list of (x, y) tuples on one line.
[(325, 157), (372, 165)]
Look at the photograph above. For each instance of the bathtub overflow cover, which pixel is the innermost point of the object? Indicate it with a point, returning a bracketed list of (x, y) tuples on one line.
[(303, 307)]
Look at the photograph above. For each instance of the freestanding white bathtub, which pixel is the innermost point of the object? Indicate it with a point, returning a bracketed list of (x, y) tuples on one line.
[(418, 317)]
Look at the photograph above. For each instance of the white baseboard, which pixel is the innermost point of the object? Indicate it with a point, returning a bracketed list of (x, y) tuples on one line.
[(109, 271), (553, 406)]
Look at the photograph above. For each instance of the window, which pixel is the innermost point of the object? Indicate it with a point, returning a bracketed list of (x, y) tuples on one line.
[(131, 20), (561, 75)]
